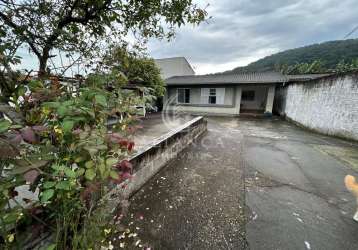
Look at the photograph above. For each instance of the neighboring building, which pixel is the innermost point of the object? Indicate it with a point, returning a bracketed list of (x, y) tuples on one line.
[(174, 66), (223, 94)]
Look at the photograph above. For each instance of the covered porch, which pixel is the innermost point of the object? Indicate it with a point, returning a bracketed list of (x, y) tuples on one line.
[(257, 99)]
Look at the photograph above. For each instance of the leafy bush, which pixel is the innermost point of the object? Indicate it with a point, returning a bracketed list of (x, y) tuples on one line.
[(66, 154)]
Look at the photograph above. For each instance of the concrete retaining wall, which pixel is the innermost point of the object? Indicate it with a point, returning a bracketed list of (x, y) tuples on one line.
[(328, 105), (155, 156), (146, 164)]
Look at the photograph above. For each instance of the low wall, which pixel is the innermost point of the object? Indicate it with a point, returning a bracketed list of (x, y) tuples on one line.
[(328, 105), (155, 156), (146, 163)]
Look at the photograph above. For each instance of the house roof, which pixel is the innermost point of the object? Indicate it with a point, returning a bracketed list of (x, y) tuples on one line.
[(236, 78)]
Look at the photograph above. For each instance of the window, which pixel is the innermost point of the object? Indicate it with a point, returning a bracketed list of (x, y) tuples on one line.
[(183, 95), (248, 95), (212, 96)]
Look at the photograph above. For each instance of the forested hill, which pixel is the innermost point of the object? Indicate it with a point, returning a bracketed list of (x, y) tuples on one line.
[(329, 53)]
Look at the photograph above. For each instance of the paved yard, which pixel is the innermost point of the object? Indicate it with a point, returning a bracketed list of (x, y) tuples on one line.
[(197, 201), (262, 184), (295, 195)]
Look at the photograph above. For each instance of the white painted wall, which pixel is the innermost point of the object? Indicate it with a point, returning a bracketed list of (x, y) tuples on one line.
[(196, 92), (329, 105), (176, 66), (231, 102), (270, 99)]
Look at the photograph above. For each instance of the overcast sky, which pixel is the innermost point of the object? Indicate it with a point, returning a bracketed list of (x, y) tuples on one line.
[(242, 31)]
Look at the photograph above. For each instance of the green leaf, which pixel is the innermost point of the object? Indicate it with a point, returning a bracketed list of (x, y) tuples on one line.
[(80, 172), (21, 91), (51, 247), (102, 168), (4, 125), (15, 126), (79, 159), (51, 105), (10, 217), (63, 185), (62, 111), (101, 100), (91, 150), (56, 167), (49, 184), (22, 166), (111, 161), (90, 174), (47, 195), (35, 84), (70, 173), (114, 175), (89, 164), (67, 126)]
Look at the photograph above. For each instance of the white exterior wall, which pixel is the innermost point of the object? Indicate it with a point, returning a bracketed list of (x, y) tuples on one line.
[(329, 105), (264, 96), (270, 99), (231, 102), (176, 66)]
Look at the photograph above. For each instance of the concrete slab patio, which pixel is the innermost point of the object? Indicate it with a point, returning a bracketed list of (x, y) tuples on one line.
[(154, 125), (251, 183)]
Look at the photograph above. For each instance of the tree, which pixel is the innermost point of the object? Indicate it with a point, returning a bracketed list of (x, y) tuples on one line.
[(344, 66), (316, 66), (76, 25), (79, 27), (137, 67)]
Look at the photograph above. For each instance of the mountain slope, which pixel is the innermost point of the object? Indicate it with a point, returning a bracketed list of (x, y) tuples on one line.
[(330, 53)]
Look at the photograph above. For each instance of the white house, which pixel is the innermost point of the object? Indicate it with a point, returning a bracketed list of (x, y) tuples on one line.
[(223, 94)]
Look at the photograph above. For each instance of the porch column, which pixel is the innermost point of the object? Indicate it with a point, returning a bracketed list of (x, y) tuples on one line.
[(237, 99), (269, 99), (165, 100)]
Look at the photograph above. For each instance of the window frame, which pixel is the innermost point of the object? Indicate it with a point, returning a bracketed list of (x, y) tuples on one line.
[(212, 96), (185, 97)]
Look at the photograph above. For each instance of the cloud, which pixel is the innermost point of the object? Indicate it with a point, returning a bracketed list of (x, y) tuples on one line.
[(242, 31)]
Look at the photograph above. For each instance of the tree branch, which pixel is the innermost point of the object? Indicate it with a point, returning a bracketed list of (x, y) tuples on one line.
[(17, 28)]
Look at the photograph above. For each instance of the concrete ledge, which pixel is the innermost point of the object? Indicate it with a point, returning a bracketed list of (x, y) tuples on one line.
[(151, 159), (146, 163)]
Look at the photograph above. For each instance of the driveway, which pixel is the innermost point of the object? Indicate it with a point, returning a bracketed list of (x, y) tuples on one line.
[(198, 200), (251, 183), (295, 195)]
